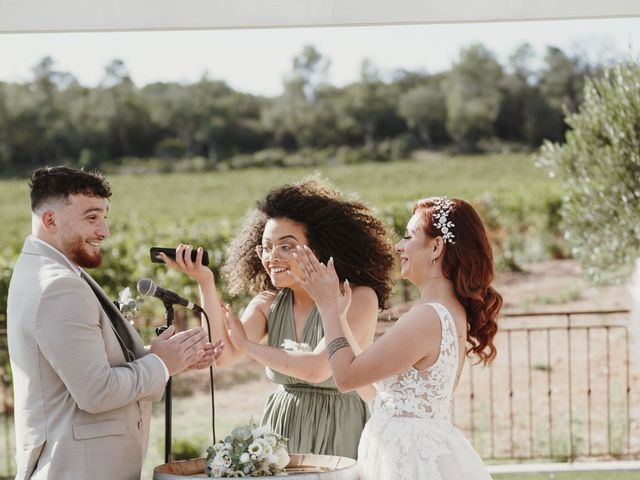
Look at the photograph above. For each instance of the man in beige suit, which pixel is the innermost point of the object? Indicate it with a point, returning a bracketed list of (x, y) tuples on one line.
[(83, 380)]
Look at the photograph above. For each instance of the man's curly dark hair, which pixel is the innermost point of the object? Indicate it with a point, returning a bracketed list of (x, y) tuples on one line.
[(335, 226)]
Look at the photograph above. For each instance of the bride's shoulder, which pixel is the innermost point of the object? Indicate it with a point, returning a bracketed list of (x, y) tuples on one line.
[(451, 313), (450, 307), (419, 326), (421, 314)]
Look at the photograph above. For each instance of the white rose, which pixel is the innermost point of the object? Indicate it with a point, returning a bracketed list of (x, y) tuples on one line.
[(271, 440), (245, 458), (267, 449), (255, 449), (283, 458)]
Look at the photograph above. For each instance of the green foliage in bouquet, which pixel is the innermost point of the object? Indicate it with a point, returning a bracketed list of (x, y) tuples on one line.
[(249, 451), (599, 165)]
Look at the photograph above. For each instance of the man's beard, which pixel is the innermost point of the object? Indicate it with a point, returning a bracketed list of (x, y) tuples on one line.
[(77, 252)]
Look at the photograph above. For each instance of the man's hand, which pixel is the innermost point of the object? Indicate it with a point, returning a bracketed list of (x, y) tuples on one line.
[(211, 353), (180, 350)]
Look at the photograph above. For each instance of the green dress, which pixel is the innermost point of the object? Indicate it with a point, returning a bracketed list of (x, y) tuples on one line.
[(316, 418)]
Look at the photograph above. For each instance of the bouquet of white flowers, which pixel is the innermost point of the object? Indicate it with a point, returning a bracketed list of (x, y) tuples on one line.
[(249, 451)]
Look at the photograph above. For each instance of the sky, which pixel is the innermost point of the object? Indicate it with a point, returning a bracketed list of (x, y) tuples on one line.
[(256, 61)]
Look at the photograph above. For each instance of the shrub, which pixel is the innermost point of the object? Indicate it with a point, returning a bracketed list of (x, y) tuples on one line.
[(600, 166), (399, 148), (171, 148)]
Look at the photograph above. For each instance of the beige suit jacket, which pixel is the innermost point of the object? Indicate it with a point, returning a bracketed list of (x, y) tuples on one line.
[(81, 411)]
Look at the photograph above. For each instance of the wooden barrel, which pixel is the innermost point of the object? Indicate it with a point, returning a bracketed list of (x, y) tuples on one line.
[(303, 467)]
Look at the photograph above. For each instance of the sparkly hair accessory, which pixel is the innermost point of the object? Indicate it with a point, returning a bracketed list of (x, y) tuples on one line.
[(443, 207)]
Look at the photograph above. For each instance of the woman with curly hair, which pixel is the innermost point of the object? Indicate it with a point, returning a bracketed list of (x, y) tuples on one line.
[(307, 408), (416, 365)]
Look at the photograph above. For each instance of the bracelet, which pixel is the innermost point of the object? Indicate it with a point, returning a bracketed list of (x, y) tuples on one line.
[(336, 345)]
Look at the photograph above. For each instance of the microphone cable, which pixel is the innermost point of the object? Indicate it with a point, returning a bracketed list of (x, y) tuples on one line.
[(213, 405)]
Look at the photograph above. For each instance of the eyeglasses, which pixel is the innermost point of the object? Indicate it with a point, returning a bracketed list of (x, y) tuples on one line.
[(285, 251)]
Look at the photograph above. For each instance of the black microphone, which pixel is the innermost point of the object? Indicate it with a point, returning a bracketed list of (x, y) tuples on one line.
[(146, 287)]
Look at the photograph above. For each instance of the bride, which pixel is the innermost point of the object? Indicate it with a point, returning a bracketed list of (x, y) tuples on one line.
[(412, 370)]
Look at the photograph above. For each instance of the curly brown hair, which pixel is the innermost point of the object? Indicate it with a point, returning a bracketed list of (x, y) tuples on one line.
[(334, 225), (469, 265)]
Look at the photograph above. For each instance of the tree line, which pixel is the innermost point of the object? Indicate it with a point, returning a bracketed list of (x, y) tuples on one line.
[(478, 104)]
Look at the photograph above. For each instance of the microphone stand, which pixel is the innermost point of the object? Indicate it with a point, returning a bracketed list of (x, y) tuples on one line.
[(168, 305), (167, 395)]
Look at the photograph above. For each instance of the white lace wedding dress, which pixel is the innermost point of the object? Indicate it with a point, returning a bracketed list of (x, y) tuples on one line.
[(410, 435)]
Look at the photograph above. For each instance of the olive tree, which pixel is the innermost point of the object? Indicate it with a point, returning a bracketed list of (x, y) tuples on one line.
[(599, 164)]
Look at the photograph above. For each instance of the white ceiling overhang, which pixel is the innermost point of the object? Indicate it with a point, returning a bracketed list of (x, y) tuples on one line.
[(30, 16)]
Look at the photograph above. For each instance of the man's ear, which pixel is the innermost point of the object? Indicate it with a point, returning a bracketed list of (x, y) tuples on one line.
[(48, 219)]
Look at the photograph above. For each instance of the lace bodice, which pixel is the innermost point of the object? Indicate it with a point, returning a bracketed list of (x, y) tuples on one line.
[(423, 393)]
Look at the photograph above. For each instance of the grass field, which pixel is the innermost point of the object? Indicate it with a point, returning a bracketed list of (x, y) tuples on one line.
[(170, 200)]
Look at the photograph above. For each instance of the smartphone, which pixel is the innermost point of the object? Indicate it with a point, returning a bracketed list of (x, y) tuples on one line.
[(171, 253)]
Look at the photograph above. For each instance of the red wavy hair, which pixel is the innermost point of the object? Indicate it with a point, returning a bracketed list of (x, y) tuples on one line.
[(469, 265)]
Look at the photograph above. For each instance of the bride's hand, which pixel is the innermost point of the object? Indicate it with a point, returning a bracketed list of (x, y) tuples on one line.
[(321, 281), (344, 299), (183, 263)]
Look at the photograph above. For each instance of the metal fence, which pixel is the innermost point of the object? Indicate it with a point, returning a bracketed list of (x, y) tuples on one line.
[(562, 388)]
